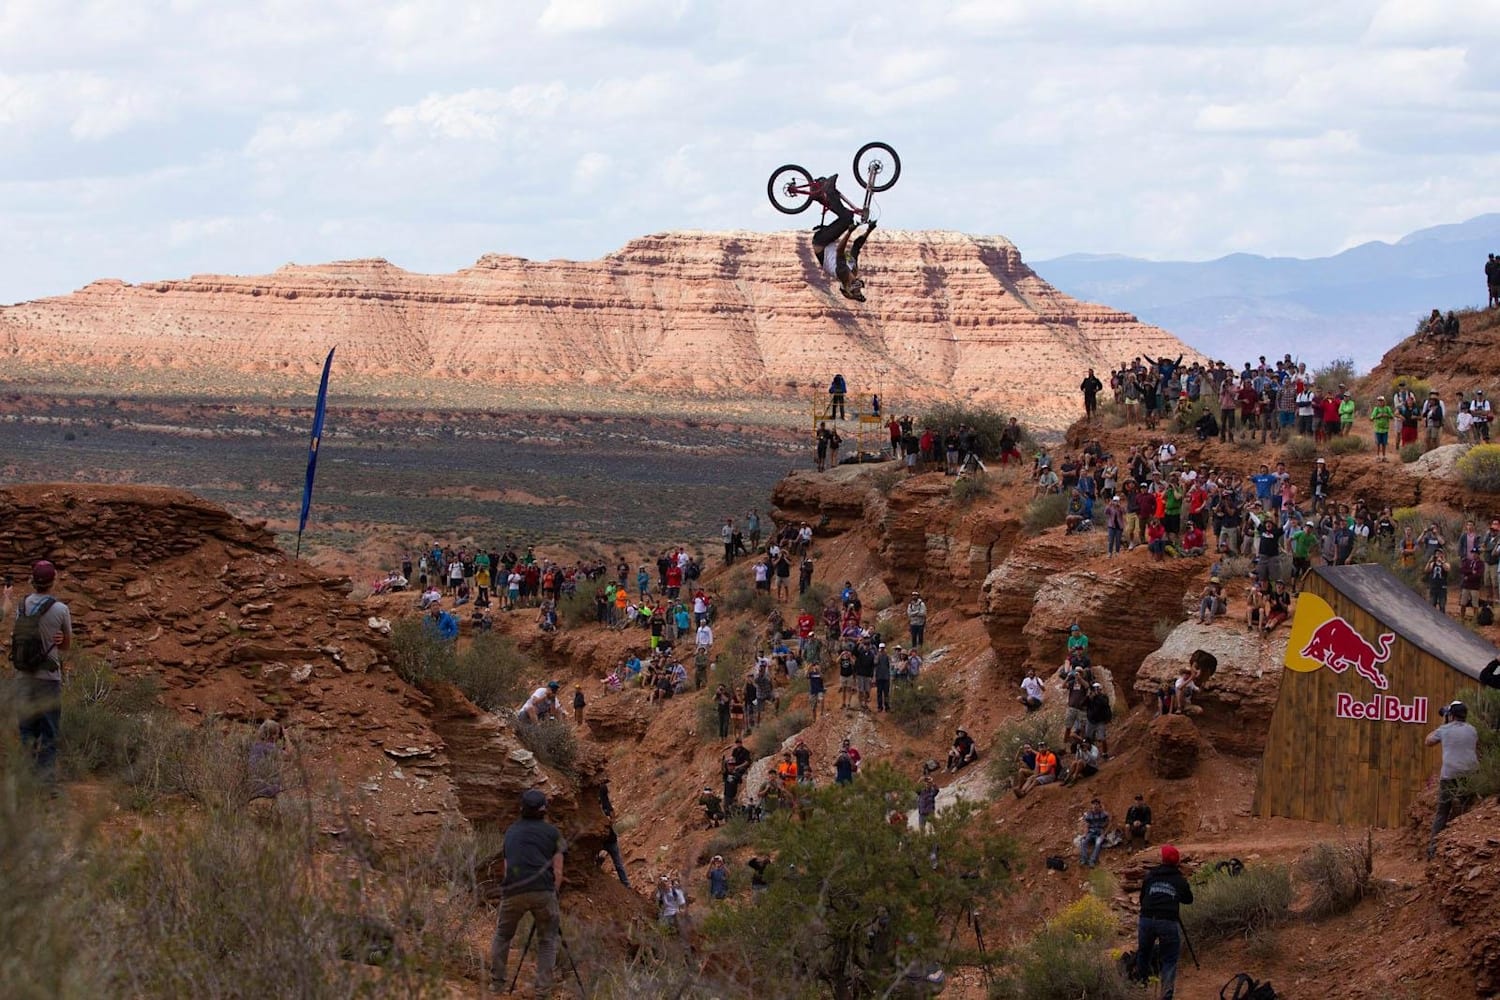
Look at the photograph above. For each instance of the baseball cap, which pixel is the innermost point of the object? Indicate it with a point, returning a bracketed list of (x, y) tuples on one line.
[(533, 799), (1322, 461), (553, 685), (43, 572), (1170, 855)]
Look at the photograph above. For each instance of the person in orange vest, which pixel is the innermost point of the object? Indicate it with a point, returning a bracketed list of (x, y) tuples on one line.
[(1046, 770)]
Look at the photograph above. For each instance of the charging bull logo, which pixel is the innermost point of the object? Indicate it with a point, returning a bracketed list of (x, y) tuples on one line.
[(1337, 646)]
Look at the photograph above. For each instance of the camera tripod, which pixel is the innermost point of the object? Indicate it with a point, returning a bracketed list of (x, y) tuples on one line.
[(968, 916), (562, 940)]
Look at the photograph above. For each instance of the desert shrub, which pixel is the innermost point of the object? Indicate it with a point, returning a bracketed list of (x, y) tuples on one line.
[(914, 706), (492, 672), (1103, 884), (967, 489), (1410, 452), (1337, 876), (884, 480), (1479, 468), (554, 743), (1233, 568), (1300, 448), (1484, 715), (988, 424), (746, 598), (774, 730), (1046, 511), (813, 599), (107, 719), (1226, 906), (814, 931), (417, 657), (1339, 371), (1348, 444), (736, 832), (579, 608), (1163, 628), (1068, 959), (1009, 738)]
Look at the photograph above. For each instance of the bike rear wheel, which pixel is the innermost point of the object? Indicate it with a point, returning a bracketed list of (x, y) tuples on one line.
[(782, 189), (886, 164)]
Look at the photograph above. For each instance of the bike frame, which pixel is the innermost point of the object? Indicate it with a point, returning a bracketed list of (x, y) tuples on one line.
[(815, 191)]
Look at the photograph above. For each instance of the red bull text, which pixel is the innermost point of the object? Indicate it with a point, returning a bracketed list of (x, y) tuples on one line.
[(1381, 708)]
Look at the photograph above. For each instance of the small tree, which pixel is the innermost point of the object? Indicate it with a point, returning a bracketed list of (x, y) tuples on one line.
[(988, 425), (855, 899)]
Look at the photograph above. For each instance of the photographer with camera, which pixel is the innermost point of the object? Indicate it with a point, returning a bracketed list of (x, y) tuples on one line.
[(1460, 743)]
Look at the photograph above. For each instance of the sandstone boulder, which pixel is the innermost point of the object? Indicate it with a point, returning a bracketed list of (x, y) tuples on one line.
[(1239, 699), (1173, 747)]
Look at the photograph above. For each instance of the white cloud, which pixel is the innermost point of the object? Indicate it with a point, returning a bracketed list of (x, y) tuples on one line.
[(152, 138)]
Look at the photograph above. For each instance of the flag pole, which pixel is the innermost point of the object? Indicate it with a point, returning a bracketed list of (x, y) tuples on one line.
[(312, 452)]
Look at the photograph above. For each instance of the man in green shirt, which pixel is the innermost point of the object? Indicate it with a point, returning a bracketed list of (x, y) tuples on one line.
[(1304, 542), (1346, 413), (1381, 415)]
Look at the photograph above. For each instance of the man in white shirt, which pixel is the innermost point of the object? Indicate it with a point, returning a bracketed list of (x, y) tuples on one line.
[(705, 635), (1032, 691)]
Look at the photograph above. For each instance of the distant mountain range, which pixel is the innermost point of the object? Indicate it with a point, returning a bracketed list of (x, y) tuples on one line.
[(1357, 304)]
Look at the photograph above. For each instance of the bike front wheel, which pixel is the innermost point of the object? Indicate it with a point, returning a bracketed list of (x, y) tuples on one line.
[(876, 166), (788, 189)]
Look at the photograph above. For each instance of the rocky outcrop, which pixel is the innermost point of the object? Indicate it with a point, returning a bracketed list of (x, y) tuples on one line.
[(1031, 599), (1173, 747), (1240, 698), (170, 587), (1465, 876), (696, 314)]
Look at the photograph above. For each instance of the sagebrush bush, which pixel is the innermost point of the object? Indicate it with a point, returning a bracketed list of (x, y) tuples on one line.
[(1479, 468), (914, 706), (1410, 453), (1012, 735), (1337, 876), (491, 672), (988, 424), (774, 730), (1057, 965), (1348, 444), (1226, 906), (554, 743), (1339, 371), (813, 599), (969, 488), (1300, 448), (1046, 511), (1088, 918)]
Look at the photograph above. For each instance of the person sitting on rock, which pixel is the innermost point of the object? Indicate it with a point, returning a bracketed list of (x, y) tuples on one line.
[(1025, 765), (963, 752), (1083, 763), (1032, 691), (1183, 692), (1208, 601), (1046, 771)]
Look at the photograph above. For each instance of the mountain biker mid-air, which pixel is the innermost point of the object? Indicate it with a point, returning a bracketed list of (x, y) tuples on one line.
[(832, 240)]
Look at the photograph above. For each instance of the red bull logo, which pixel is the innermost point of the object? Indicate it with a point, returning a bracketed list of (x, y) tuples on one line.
[(1337, 646)]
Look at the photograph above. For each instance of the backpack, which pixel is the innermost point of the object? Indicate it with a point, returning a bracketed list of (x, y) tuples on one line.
[(1486, 613), (1233, 867), (1131, 974), (1246, 988), (28, 653)]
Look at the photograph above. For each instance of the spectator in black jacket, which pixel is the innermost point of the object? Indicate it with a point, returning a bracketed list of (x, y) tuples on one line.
[(1163, 891), (1138, 822)]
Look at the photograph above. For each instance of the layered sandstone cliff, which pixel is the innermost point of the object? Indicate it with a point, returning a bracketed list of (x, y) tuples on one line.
[(686, 314)]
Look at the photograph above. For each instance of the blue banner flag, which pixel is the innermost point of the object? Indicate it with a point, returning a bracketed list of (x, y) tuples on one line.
[(312, 449)]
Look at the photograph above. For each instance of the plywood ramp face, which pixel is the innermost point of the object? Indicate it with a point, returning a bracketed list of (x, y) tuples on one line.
[(1368, 664)]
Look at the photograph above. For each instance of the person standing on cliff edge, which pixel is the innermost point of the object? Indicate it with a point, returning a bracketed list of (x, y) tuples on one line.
[(43, 632), (837, 390), (1091, 387), (532, 866)]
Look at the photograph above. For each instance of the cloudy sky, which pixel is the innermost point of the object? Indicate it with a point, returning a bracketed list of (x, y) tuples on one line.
[(158, 139)]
